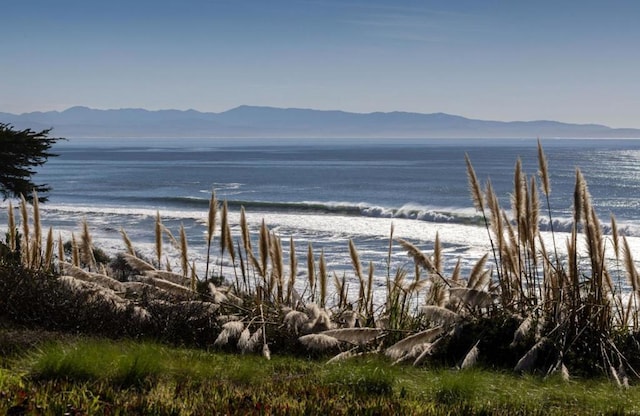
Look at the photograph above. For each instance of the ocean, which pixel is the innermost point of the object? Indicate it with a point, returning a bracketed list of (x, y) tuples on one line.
[(324, 192)]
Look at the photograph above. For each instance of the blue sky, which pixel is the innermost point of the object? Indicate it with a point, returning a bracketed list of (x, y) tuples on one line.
[(573, 61)]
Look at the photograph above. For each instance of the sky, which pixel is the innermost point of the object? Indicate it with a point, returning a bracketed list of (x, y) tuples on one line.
[(571, 61)]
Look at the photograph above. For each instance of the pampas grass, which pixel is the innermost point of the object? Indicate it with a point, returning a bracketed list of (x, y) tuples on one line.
[(471, 358), (472, 298), (311, 271), (357, 336), (158, 239), (184, 254), (318, 342), (165, 275), (439, 315), (293, 270), (177, 290), (405, 345), (11, 225), (48, 253), (295, 320), (418, 256), (86, 246), (522, 332), (528, 361), (24, 246), (322, 279), (37, 233), (357, 268), (211, 225), (137, 263), (230, 331)]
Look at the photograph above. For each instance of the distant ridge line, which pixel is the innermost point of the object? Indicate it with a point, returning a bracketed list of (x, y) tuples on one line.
[(247, 121)]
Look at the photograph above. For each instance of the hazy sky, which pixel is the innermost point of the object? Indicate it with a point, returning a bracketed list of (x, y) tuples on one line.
[(574, 61)]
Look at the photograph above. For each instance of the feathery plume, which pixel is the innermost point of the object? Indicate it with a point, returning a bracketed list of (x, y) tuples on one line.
[(358, 336), (345, 355), (614, 236), (357, 267), (473, 298), (544, 170), (264, 248), (474, 185), (48, 253), (243, 341), (523, 330), (61, 256), (246, 239), (322, 279), (368, 303), (578, 197), (184, 258), (293, 269), (158, 235), (25, 229), (224, 229), (165, 275), (533, 211), (475, 277), (174, 289), (471, 358), (455, 275), (211, 217), (405, 345), (439, 315), (295, 320), (230, 330), (430, 349), (86, 249), (12, 228), (255, 340), (318, 342), (127, 242), (137, 264), (266, 353), (529, 359), (37, 231), (438, 263), (418, 256), (217, 295), (311, 273)]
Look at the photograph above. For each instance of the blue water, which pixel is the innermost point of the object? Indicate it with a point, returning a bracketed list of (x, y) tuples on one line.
[(351, 177), (325, 192)]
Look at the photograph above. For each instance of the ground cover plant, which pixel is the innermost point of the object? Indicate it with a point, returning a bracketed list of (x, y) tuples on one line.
[(524, 306), (98, 376)]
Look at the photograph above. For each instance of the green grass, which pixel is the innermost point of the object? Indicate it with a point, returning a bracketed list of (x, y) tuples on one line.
[(91, 376)]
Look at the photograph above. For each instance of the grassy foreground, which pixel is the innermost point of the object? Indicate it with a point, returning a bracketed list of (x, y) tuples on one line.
[(93, 376)]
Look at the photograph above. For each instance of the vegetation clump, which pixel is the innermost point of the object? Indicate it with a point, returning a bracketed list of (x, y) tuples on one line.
[(524, 306)]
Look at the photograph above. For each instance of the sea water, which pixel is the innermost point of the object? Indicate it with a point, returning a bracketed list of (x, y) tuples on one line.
[(325, 192)]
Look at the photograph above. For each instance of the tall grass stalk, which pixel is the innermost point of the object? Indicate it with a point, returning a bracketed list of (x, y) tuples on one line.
[(158, 239), (184, 254), (36, 252), (25, 244), (11, 224)]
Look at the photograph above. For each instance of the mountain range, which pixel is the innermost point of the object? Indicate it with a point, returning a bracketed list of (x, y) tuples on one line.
[(271, 122)]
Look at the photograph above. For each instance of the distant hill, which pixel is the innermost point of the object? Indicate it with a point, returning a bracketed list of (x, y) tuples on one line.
[(270, 122)]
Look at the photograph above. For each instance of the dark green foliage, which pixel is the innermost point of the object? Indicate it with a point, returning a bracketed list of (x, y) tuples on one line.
[(21, 152), (37, 299), (187, 323)]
